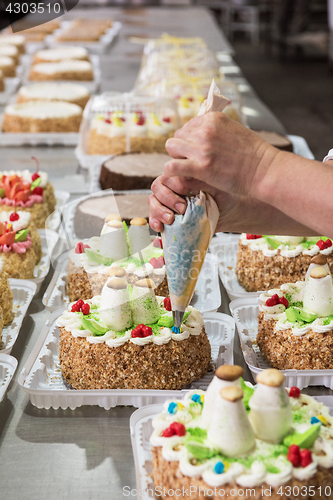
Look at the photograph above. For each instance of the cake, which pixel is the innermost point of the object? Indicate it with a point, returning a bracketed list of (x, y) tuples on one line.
[(90, 213), (132, 170), (60, 53), (6, 296), (119, 251), (7, 66), (1, 323), (42, 116), (234, 441), (264, 262), (68, 92), (2, 82), (10, 51), (16, 252), (123, 339), (29, 192), (118, 132), (84, 30), (295, 322), (17, 40), (62, 70), (277, 140)]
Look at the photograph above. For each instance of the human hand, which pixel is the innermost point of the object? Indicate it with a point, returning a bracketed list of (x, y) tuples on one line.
[(220, 152)]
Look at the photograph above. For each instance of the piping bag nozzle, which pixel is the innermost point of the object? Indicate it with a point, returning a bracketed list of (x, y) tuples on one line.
[(177, 320)]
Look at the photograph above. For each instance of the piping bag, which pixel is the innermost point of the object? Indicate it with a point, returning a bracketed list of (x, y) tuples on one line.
[(186, 240)]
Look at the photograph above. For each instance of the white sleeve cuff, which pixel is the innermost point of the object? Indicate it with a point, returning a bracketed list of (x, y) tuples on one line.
[(329, 156)]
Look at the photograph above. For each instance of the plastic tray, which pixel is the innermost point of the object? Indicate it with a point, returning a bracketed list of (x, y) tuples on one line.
[(99, 47), (245, 312), (23, 293), (224, 248), (49, 240), (91, 85), (91, 162), (141, 428), (11, 85), (206, 298), (41, 376), (8, 366), (53, 220)]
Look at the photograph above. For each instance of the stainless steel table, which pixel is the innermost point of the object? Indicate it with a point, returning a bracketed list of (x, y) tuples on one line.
[(86, 453)]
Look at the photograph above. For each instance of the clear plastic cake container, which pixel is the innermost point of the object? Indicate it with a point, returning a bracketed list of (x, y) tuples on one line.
[(206, 298), (99, 47), (41, 376), (224, 248), (245, 313), (49, 240), (115, 123), (92, 85), (53, 220), (8, 366), (141, 428), (23, 293)]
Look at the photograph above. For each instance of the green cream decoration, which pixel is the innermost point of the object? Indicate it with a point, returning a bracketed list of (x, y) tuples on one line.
[(97, 257), (21, 235), (35, 183), (305, 439)]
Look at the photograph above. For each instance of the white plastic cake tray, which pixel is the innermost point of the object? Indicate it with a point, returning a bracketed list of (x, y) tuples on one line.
[(141, 428), (49, 240), (8, 366), (225, 247), (23, 293), (245, 313), (206, 298), (41, 376), (99, 47), (11, 85)]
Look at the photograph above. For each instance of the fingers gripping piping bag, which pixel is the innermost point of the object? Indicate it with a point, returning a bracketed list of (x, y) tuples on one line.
[(186, 241)]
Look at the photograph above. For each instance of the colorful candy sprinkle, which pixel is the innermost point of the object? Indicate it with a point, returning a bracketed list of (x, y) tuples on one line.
[(219, 468), (172, 408)]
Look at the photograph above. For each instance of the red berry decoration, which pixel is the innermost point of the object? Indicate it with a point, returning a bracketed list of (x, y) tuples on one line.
[(328, 243), (284, 302), (154, 263), (86, 246), (168, 432), (137, 332), (321, 244), (160, 261), (294, 392), (141, 121), (85, 309), (178, 428), (273, 301), (13, 217), (79, 247), (306, 457), (157, 243), (167, 119), (80, 303), (253, 236), (35, 176), (107, 120), (75, 308), (147, 331), (38, 190), (167, 304), (294, 455)]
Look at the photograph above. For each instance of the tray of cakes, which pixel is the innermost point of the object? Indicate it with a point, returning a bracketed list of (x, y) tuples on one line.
[(250, 263), (96, 35), (130, 376), (15, 298), (8, 365), (183, 446), (27, 37), (290, 327), (130, 251), (115, 123)]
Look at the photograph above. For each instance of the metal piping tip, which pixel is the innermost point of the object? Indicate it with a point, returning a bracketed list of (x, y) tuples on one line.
[(177, 318)]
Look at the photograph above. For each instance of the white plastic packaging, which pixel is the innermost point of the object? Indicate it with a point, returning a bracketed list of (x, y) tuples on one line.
[(8, 366)]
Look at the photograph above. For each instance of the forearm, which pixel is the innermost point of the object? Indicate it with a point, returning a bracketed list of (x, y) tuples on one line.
[(302, 189), (246, 215)]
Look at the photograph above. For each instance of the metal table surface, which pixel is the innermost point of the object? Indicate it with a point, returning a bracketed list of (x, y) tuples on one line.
[(86, 453)]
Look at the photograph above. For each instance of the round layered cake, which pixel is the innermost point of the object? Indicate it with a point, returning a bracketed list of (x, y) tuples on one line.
[(234, 441), (124, 339), (90, 214), (60, 54), (269, 261), (42, 116), (295, 322), (132, 170), (62, 70), (68, 92)]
